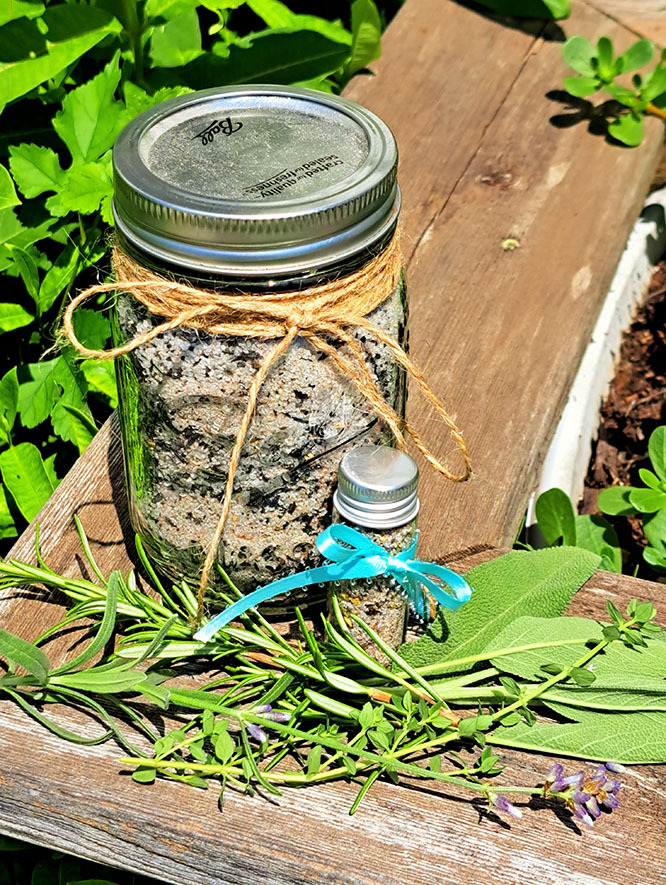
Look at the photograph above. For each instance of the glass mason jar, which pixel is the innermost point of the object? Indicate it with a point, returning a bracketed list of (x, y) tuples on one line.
[(377, 495), (252, 189)]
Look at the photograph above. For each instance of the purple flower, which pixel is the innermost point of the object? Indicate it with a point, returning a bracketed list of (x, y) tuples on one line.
[(615, 767), (583, 793), (272, 715), (501, 803), (257, 732)]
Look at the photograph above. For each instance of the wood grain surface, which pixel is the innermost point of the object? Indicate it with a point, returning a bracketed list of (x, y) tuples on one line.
[(79, 798), (647, 18), (500, 335)]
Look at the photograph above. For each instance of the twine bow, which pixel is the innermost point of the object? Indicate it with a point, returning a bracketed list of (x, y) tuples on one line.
[(329, 309), (353, 556)]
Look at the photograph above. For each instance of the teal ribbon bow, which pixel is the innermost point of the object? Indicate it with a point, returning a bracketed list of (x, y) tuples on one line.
[(353, 556)]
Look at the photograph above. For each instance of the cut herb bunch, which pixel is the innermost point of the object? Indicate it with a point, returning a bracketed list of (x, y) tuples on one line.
[(278, 713)]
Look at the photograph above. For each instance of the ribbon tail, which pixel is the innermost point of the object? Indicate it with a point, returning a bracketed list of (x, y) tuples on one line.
[(461, 589), (262, 594)]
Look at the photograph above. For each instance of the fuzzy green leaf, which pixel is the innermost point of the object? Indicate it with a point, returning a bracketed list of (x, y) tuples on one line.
[(651, 696), (616, 667), (540, 583), (630, 738), (35, 169), (25, 477), (91, 119)]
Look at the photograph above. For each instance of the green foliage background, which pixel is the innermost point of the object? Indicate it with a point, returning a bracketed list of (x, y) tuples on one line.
[(72, 74)]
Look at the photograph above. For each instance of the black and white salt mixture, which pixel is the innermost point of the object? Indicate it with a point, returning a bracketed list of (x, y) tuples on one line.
[(288, 188)]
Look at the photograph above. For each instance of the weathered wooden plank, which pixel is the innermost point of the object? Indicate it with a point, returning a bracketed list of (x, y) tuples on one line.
[(646, 18), (500, 333), (469, 181), (63, 796)]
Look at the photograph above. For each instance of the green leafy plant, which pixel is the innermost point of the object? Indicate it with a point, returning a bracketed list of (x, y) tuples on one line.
[(648, 501), (599, 69), (510, 672), (559, 524), (71, 76)]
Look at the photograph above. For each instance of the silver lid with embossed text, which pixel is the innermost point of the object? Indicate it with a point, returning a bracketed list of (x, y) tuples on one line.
[(255, 180), (377, 487)]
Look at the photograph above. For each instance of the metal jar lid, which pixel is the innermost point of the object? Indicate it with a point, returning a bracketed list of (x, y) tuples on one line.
[(255, 180), (377, 487)]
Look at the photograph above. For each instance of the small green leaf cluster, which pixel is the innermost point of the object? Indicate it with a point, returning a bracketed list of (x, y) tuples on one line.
[(71, 76), (559, 524), (599, 68), (648, 501)]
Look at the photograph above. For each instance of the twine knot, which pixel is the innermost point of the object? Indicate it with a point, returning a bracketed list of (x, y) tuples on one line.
[(318, 313)]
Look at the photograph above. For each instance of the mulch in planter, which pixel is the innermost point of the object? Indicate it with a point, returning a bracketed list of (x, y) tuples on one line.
[(635, 405)]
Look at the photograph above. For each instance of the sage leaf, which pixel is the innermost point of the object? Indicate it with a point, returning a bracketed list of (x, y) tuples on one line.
[(630, 738), (18, 652), (651, 695), (25, 476), (540, 582)]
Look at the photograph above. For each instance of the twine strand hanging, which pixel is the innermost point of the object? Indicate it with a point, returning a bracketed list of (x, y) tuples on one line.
[(328, 309)]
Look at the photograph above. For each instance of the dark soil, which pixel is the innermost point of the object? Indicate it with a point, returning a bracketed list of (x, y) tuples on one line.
[(634, 407)]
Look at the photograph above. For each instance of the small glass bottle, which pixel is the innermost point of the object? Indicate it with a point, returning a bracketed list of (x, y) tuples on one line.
[(377, 495)]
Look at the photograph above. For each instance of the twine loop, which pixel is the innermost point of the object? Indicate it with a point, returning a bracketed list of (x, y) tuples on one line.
[(318, 313)]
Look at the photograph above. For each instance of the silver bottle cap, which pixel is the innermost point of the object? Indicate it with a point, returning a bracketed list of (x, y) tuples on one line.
[(377, 487), (255, 180)]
